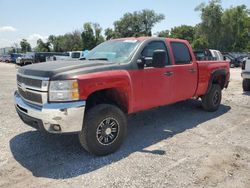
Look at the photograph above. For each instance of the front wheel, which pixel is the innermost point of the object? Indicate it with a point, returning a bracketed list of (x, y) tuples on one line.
[(246, 84), (211, 101), (104, 129)]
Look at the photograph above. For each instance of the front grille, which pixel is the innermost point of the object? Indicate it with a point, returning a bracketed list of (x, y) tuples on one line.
[(29, 81), (30, 96)]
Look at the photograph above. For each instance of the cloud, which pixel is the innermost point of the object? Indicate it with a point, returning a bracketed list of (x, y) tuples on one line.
[(8, 41), (32, 39), (7, 29)]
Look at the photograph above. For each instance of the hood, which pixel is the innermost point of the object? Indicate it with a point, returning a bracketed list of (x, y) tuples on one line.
[(66, 69)]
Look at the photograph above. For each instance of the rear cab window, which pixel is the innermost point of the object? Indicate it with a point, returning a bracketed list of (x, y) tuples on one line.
[(181, 53)]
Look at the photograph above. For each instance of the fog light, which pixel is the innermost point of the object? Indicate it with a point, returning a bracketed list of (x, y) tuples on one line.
[(56, 127)]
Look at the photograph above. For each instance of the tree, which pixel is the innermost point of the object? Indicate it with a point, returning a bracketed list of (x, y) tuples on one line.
[(25, 46), (91, 35), (68, 42), (72, 41), (42, 46), (200, 43), (138, 23), (225, 30), (211, 23), (110, 34), (165, 33), (185, 32), (236, 27)]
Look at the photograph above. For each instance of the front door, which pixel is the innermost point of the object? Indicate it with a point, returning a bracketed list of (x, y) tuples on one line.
[(152, 85)]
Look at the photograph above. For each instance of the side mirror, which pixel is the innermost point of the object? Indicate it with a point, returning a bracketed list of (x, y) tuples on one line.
[(141, 63), (159, 58)]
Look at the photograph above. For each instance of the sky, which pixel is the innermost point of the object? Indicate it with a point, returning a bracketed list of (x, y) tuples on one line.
[(34, 19)]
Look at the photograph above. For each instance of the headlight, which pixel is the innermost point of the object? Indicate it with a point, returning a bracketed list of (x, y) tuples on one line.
[(64, 90)]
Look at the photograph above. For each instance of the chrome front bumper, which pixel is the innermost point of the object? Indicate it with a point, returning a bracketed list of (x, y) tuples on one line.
[(52, 117)]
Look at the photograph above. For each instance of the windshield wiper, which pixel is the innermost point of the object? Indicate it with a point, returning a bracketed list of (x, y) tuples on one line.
[(103, 59)]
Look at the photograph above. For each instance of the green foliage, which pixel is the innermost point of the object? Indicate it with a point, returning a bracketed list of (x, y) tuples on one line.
[(236, 27), (110, 34), (25, 46), (225, 30), (211, 24), (138, 23), (200, 43), (91, 35), (42, 46), (164, 34), (185, 32), (68, 42)]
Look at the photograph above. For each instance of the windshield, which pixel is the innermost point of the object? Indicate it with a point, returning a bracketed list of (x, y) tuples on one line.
[(119, 51)]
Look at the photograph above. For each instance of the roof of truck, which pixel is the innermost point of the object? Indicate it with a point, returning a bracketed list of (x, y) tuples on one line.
[(146, 38)]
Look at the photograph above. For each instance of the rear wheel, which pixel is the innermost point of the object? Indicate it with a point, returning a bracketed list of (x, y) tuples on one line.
[(211, 101), (104, 129), (246, 84), (232, 65)]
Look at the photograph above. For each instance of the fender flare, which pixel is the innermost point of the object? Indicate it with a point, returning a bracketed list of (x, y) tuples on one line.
[(214, 74)]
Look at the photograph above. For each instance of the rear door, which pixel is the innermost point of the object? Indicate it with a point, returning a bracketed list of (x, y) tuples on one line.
[(184, 70)]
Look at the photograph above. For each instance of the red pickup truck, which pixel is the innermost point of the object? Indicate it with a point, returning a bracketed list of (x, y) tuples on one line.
[(118, 77)]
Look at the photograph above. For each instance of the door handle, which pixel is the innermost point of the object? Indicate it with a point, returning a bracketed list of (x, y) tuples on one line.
[(168, 73), (192, 70)]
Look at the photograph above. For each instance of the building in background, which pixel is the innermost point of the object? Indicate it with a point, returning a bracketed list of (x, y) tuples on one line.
[(8, 50), (4, 51)]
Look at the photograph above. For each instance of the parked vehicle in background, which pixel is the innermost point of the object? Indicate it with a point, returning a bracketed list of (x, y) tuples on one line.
[(208, 55), (25, 59), (118, 77), (217, 55), (246, 75), (14, 57), (203, 55), (236, 59), (35, 57), (68, 56), (76, 54), (234, 62), (6, 59)]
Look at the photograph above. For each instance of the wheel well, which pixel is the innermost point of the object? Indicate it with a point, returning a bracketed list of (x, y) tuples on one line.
[(108, 96), (219, 79)]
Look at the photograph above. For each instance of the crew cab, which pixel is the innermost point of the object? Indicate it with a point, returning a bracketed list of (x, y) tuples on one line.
[(246, 75), (118, 77)]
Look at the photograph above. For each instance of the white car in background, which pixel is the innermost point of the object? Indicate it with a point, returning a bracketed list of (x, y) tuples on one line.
[(74, 55), (217, 55), (246, 75), (208, 55)]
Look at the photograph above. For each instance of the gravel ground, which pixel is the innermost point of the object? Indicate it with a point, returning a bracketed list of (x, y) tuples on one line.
[(174, 146)]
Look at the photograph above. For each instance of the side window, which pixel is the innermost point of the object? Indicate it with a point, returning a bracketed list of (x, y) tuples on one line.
[(181, 53), (148, 51)]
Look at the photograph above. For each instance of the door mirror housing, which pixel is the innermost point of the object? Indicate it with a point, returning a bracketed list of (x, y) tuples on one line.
[(141, 63), (159, 58)]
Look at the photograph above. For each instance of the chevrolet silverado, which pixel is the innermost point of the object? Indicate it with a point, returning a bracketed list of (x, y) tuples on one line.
[(118, 77)]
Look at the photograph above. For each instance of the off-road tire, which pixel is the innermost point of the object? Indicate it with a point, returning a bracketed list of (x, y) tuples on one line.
[(211, 101), (246, 84), (95, 120)]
